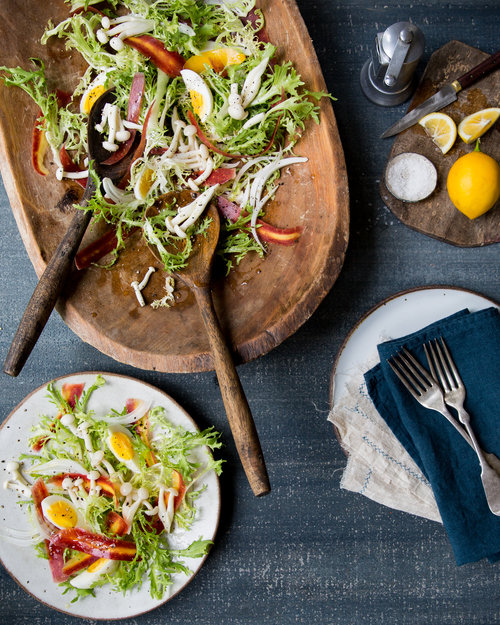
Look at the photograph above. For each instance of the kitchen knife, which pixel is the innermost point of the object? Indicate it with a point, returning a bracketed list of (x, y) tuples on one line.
[(444, 96)]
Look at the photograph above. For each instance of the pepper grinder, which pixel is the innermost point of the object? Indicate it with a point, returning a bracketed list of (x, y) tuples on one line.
[(388, 76)]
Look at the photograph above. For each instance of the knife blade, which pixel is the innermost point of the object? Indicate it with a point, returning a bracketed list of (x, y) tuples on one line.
[(446, 95)]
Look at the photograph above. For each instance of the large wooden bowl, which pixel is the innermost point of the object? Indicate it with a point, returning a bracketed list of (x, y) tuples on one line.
[(260, 303)]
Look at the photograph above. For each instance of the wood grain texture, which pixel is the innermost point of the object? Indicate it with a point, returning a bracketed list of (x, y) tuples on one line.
[(262, 302), (436, 216)]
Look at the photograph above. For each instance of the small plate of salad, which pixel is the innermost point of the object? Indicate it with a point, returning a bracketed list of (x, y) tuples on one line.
[(110, 500)]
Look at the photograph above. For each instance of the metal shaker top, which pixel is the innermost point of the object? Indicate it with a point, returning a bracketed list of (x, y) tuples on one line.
[(403, 32)]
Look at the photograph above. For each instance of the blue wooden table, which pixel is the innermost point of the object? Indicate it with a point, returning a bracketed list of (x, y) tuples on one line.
[(308, 553)]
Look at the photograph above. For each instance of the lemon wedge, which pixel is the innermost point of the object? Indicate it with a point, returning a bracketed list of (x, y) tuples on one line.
[(475, 125), (441, 129)]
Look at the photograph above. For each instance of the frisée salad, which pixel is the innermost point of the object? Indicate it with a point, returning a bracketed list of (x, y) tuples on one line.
[(200, 102), (109, 495)]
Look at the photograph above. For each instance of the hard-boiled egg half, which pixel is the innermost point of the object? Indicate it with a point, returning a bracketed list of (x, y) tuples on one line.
[(92, 93), (61, 512), (201, 96), (96, 570), (119, 441)]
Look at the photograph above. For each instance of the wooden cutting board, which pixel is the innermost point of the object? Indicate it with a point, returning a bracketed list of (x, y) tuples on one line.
[(260, 303), (436, 216)]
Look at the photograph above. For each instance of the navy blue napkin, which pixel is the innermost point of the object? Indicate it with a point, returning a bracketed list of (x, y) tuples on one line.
[(445, 458)]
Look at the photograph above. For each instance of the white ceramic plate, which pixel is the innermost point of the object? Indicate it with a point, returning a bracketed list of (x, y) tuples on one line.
[(33, 573), (397, 316)]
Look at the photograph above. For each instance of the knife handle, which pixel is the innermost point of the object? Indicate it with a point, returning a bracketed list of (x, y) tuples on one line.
[(487, 66)]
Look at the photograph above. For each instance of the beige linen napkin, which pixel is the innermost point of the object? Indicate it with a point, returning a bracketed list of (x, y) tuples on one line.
[(378, 466)]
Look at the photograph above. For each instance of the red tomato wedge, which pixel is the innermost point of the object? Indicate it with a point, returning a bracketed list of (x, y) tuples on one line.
[(94, 544), (169, 62)]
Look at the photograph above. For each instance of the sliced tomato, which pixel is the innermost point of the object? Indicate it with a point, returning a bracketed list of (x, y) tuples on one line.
[(94, 544), (169, 62)]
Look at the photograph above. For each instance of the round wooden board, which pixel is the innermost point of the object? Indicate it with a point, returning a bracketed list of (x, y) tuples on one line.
[(262, 302), (436, 216)]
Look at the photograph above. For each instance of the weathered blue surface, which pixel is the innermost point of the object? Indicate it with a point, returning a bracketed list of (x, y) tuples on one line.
[(309, 553)]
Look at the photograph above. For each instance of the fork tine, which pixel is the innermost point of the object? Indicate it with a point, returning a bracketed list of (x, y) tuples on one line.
[(451, 364), (416, 368), (430, 360), (440, 366), (444, 362), (404, 381)]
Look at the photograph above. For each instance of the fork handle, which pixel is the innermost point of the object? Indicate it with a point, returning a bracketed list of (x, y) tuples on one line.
[(447, 414), (464, 418)]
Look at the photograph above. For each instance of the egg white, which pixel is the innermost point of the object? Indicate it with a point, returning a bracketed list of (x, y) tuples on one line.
[(89, 577), (201, 96), (92, 93), (131, 463)]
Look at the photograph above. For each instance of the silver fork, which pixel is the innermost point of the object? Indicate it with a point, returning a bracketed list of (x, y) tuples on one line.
[(443, 368), (422, 387)]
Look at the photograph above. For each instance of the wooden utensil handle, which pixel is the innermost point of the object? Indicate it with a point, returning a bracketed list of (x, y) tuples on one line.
[(45, 295), (481, 70), (236, 405)]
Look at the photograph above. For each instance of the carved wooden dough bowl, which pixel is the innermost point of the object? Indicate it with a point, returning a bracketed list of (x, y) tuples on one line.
[(260, 303)]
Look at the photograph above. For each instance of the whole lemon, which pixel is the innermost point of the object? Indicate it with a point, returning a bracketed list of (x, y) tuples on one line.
[(474, 183)]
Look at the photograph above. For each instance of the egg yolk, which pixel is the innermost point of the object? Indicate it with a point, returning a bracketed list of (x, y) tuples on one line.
[(121, 445), (62, 514), (92, 97), (98, 564), (197, 102), (216, 59)]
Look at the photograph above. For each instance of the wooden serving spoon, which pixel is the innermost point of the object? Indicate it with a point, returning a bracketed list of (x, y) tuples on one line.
[(56, 272), (197, 277)]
